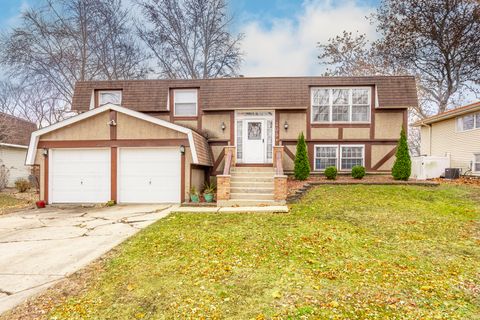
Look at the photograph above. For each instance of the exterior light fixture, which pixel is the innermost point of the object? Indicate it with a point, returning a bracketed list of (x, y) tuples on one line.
[(45, 152), (223, 126), (112, 123), (182, 149), (285, 125)]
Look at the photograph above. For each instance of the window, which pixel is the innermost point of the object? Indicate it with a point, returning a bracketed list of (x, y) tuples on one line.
[(468, 122), (185, 103), (269, 139), (476, 162), (325, 156), (239, 139), (110, 96), (351, 156), (340, 105)]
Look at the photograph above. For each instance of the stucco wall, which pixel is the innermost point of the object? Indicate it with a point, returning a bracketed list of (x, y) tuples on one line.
[(93, 128), (297, 123), (216, 150), (356, 133), (212, 125), (388, 125), (191, 124), (14, 161), (460, 145), (133, 128), (288, 164), (380, 151), (324, 133), (197, 179)]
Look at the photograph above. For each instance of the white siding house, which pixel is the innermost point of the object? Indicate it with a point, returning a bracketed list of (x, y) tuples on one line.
[(13, 158), (455, 133)]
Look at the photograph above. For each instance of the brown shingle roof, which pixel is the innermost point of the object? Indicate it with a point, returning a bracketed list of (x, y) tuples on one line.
[(202, 149), (15, 130), (235, 93)]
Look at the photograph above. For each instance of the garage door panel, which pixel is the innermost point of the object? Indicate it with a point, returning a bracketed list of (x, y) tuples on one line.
[(80, 175), (149, 175)]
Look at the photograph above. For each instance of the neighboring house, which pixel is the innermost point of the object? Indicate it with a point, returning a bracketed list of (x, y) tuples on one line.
[(14, 138), (455, 133), (151, 140)]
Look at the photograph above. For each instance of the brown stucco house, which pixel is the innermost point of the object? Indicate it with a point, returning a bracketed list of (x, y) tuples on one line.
[(151, 140)]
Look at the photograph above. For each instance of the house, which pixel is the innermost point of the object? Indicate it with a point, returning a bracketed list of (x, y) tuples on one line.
[(14, 137), (151, 140), (454, 133)]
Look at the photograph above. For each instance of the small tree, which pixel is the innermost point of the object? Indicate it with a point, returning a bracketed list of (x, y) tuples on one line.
[(403, 165), (302, 164)]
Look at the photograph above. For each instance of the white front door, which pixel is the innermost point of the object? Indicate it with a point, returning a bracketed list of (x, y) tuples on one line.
[(149, 175), (79, 175), (254, 141)]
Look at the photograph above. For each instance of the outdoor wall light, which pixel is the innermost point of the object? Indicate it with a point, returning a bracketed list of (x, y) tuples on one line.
[(285, 125), (223, 126), (112, 123), (45, 152), (182, 149)]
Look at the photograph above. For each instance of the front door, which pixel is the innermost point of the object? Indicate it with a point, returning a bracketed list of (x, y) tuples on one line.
[(254, 141)]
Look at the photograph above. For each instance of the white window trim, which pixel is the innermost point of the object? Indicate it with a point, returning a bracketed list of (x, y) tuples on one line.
[(196, 102), (350, 145), (337, 148), (100, 92), (457, 129), (474, 162), (350, 102)]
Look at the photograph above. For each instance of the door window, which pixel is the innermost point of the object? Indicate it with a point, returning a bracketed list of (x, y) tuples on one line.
[(254, 130)]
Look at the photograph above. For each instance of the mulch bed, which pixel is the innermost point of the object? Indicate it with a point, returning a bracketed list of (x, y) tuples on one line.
[(468, 181)]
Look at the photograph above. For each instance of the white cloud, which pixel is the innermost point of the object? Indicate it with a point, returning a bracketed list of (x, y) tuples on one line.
[(288, 47)]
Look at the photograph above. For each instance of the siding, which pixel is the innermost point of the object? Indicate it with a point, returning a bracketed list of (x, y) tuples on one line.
[(445, 139), (14, 159)]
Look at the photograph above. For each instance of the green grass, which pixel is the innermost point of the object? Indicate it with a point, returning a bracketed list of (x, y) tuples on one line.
[(8, 202), (356, 252)]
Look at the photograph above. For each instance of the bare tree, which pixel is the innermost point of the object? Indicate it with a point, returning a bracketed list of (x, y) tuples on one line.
[(190, 38), (65, 41), (435, 40)]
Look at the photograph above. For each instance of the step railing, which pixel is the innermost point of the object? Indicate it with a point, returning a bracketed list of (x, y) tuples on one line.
[(223, 180), (280, 179)]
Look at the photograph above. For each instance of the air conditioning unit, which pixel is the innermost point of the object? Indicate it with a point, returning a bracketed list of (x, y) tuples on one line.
[(452, 173)]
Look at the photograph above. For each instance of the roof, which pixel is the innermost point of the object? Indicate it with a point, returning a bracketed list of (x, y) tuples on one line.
[(18, 131), (244, 93), (197, 143), (472, 107)]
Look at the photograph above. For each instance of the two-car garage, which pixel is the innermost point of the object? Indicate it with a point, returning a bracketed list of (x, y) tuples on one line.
[(114, 153), (145, 175)]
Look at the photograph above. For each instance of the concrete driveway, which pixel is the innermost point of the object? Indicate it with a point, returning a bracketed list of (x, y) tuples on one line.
[(40, 247)]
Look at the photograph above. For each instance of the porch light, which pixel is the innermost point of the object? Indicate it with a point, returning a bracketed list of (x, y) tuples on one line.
[(45, 152), (182, 149), (285, 125), (223, 126)]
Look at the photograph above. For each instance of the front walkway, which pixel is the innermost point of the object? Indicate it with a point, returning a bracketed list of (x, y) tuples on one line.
[(40, 247)]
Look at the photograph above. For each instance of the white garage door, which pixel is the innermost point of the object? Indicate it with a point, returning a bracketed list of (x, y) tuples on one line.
[(149, 175), (79, 175)]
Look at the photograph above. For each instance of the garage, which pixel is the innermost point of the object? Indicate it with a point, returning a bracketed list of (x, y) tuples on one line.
[(149, 175), (79, 175)]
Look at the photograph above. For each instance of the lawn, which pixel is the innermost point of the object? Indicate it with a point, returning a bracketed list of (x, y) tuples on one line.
[(8, 202), (356, 252)]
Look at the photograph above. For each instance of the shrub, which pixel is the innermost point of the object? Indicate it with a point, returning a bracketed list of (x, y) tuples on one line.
[(22, 184), (110, 203), (358, 172), (4, 176), (331, 173), (302, 164), (209, 188), (402, 167)]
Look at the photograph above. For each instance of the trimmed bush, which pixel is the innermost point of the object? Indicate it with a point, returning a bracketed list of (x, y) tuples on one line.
[(331, 173), (22, 184), (302, 164), (402, 167), (358, 172)]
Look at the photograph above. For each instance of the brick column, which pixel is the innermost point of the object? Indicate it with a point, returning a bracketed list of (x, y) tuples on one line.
[(280, 188), (223, 187)]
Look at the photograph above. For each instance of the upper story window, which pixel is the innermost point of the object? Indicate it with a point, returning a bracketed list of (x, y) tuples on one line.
[(340, 105), (468, 122), (185, 102), (109, 96)]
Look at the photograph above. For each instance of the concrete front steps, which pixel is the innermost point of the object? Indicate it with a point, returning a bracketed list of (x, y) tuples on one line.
[(251, 186)]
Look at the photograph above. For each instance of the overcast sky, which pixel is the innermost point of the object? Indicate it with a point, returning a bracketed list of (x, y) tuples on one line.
[(280, 35)]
